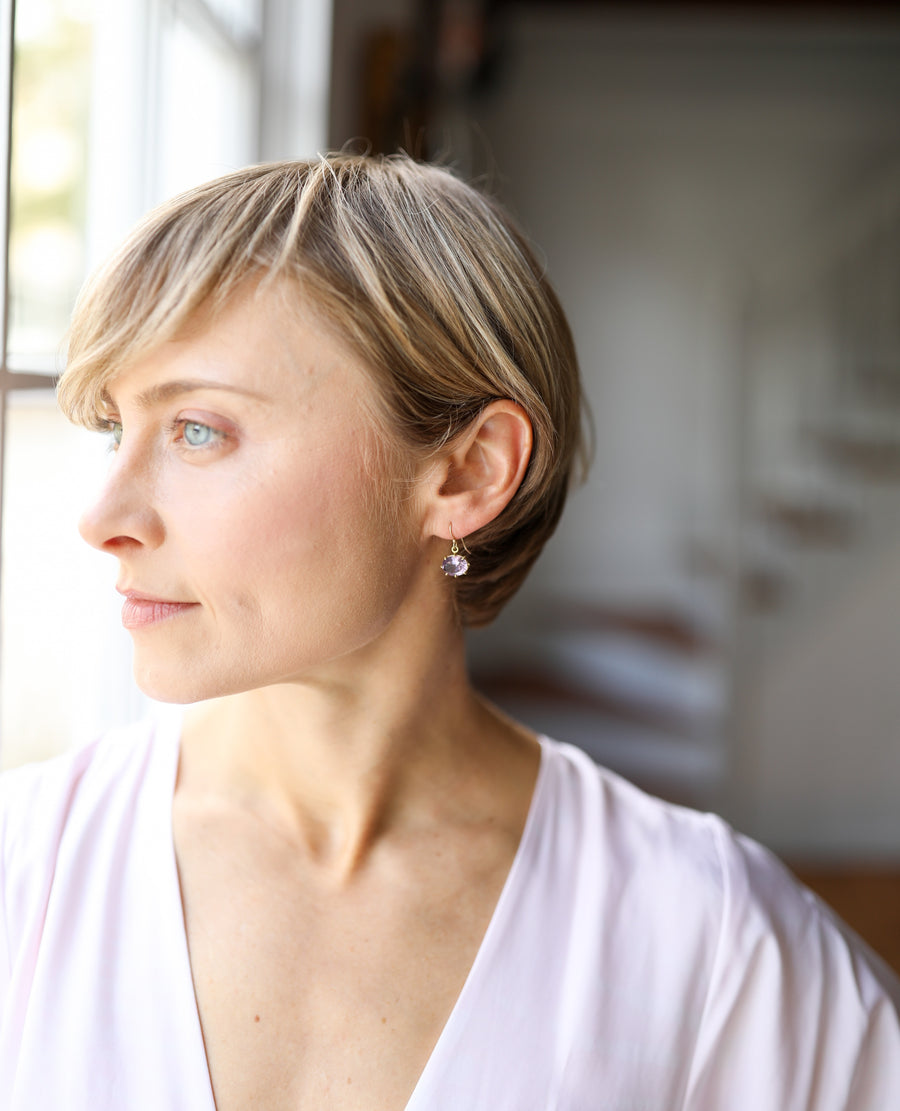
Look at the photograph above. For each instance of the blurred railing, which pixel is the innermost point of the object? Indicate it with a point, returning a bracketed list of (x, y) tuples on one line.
[(821, 414)]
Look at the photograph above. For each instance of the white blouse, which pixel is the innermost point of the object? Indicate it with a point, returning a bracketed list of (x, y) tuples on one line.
[(640, 957)]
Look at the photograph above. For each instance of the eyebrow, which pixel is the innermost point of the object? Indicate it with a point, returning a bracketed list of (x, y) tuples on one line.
[(165, 391)]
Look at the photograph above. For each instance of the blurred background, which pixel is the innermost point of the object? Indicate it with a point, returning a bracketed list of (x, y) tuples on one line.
[(715, 190)]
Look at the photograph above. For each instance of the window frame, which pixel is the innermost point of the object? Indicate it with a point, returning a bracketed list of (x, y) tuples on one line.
[(10, 381)]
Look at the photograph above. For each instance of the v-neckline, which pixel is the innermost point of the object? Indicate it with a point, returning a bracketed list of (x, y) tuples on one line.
[(489, 942)]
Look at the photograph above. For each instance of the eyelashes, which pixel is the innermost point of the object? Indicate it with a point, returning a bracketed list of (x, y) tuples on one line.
[(113, 432), (193, 435)]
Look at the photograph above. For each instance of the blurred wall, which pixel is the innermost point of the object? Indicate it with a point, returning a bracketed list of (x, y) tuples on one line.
[(820, 760), (659, 168)]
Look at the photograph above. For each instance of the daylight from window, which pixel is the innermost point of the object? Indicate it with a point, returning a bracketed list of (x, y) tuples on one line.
[(116, 104)]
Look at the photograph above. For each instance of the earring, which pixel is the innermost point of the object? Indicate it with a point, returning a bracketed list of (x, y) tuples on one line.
[(455, 565)]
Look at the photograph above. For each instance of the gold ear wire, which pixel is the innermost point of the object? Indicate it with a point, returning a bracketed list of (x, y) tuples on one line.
[(453, 548)]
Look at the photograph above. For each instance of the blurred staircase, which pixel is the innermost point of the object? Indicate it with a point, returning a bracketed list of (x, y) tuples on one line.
[(642, 691), (820, 461)]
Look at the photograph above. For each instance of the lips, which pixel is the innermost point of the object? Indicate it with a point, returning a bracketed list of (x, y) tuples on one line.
[(141, 610)]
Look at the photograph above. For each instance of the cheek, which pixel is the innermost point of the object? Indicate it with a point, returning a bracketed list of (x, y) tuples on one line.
[(298, 523)]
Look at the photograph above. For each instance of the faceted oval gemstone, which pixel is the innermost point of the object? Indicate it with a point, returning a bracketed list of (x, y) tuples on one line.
[(455, 565)]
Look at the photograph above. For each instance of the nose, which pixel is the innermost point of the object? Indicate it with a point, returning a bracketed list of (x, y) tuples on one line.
[(123, 515)]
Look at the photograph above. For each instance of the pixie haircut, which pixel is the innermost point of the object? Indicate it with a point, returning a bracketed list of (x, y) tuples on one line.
[(426, 279)]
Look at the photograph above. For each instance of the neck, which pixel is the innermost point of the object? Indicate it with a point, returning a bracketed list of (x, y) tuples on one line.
[(385, 741)]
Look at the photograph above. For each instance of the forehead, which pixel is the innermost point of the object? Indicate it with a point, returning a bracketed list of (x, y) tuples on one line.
[(265, 342)]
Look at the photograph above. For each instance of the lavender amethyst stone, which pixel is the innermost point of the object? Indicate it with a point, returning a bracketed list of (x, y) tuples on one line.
[(455, 565)]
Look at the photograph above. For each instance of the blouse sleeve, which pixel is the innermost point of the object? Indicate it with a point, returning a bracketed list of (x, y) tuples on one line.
[(799, 1015), (33, 807), (5, 954)]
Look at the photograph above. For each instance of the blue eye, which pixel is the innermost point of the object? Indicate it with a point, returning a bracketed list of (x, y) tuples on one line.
[(114, 428), (198, 435)]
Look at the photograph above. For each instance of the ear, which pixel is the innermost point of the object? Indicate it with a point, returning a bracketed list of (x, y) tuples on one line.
[(479, 473)]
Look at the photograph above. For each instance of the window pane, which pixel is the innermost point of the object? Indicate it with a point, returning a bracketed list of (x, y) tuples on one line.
[(65, 670), (242, 18), (209, 107), (51, 99)]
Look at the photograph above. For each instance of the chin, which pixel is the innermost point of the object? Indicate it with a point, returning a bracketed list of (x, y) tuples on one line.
[(187, 684), (173, 693), (179, 688)]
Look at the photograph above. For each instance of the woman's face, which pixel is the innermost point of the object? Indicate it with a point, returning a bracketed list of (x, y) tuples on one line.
[(245, 506)]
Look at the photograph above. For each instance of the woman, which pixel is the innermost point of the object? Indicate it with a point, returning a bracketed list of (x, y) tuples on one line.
[(344, 407)]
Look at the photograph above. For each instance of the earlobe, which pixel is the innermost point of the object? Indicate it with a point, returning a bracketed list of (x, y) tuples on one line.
[(482, 470)]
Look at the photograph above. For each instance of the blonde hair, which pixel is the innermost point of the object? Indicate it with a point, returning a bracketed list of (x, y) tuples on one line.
[(426, 279)]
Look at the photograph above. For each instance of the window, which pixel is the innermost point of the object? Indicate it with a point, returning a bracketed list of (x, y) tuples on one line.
[(115, 104)]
